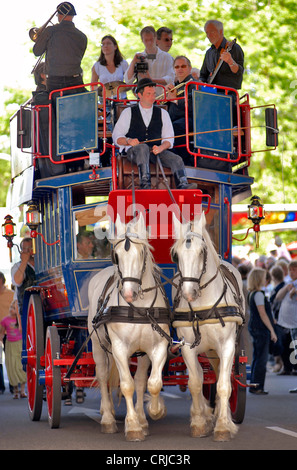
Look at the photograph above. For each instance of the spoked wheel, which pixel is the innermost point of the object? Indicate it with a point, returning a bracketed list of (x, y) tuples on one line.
[(35, 349), (52, 377), (238, 394)]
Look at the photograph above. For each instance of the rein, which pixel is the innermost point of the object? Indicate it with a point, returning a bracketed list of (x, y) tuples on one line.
[(229, 280)]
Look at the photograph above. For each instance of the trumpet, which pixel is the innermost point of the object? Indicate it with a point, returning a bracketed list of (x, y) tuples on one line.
[(162, 96)]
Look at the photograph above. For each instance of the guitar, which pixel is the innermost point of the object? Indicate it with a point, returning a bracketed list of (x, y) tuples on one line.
[(220, 61)]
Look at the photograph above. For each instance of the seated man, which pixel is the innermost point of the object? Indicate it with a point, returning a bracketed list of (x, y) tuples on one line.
[(176, 108), (85, 245), (145, 131)]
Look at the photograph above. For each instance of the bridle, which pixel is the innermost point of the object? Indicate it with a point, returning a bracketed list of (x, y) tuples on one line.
[(115, 260), (188, 242)]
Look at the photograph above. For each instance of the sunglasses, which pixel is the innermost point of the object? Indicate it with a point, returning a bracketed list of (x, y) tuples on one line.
[(180, 66)]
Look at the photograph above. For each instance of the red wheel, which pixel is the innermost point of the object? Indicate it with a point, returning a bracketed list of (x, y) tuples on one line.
[(35, 349), (53, 377), (238, 395)]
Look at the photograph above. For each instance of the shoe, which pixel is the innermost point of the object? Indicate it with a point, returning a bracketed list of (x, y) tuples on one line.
[(293, 390), (144, 176), (23, 395), (181, 181), (16, 396), (68, 402), (258, 392)]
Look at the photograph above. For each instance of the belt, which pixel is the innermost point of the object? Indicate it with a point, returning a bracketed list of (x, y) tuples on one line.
[(59, 77)]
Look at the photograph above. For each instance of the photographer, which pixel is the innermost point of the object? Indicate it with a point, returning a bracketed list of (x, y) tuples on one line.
[(153, 63)]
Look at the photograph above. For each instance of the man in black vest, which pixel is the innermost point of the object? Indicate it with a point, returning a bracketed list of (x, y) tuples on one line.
[(145, 131)]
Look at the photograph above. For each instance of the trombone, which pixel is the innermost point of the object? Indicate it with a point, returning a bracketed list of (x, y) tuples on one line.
[(162, 96), (35, 32)]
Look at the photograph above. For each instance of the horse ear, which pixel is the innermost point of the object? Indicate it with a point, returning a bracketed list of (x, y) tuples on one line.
[(199, 223), (180, 230), (120, 227), (139, 227)]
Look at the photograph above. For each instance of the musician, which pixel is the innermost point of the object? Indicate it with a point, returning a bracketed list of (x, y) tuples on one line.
[(160, 64), (64, 46), (182, 67), (164, 38), (146, 122), (230, 73), (111, 66)]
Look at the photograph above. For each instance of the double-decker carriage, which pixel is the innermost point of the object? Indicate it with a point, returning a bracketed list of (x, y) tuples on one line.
[(65, 168)]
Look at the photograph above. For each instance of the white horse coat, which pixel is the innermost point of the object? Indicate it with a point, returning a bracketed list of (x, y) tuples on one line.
[(203, 285), (134, 272)]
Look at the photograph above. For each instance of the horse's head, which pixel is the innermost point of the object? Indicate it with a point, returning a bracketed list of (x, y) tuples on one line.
[(129, 255), (190, 254)]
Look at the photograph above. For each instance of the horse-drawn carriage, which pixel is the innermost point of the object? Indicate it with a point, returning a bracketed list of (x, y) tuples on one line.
[(70, 195)]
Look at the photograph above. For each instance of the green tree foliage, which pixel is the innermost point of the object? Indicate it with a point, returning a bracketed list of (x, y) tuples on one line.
[(266, 30), (267, 33)]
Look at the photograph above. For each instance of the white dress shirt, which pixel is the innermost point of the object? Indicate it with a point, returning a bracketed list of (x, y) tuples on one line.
[(160, 67), (123, 124)]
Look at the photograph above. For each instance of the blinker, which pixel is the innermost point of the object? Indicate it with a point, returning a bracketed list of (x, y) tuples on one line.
[(127, 244), (188, 243)]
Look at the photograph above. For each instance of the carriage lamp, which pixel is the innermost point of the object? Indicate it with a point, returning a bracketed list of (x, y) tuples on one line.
[(8, 232), (256, 213), (33, 220)]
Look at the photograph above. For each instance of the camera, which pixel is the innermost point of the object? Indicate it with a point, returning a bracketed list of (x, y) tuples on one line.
[(142, 66)]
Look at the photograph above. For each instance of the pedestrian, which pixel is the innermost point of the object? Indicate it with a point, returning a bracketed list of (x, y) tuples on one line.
[(6, 297), (13, 350), (288, 309), (260, 327)]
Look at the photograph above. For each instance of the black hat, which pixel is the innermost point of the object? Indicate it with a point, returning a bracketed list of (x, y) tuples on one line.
[(143, 83), (66, 8)]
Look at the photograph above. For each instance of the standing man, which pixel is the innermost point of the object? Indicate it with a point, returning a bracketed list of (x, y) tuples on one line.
[(164, 38), (231, 71), (159, 63), (146, 122), (23, 272), (64, 46)]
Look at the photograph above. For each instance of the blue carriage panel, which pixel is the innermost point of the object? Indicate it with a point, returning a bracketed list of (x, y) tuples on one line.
[(77, 131), (213, 121)]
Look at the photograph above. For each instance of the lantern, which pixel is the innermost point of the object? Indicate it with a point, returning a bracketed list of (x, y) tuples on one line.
[(8, 232), (256, 213), (33, 220)]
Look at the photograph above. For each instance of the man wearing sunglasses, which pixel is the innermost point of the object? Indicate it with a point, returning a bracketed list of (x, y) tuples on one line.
[(164, 38), (176, 105)]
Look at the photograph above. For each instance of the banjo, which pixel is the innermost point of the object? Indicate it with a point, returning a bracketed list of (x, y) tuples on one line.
[(220, 61)]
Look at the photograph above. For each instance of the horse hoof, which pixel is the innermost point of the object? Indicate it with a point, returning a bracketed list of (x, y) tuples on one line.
[(222, 436), (201, 431), (161, 414), (109, 428), (135, 436)]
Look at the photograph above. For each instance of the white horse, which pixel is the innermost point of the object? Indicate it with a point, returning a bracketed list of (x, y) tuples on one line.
[(208, 309), (132, 315)]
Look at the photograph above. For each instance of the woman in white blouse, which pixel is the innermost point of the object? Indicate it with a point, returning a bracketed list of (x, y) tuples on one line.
[(111, 65)]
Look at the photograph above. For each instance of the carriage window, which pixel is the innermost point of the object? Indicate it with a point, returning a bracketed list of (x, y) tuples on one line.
[(90, 230)]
